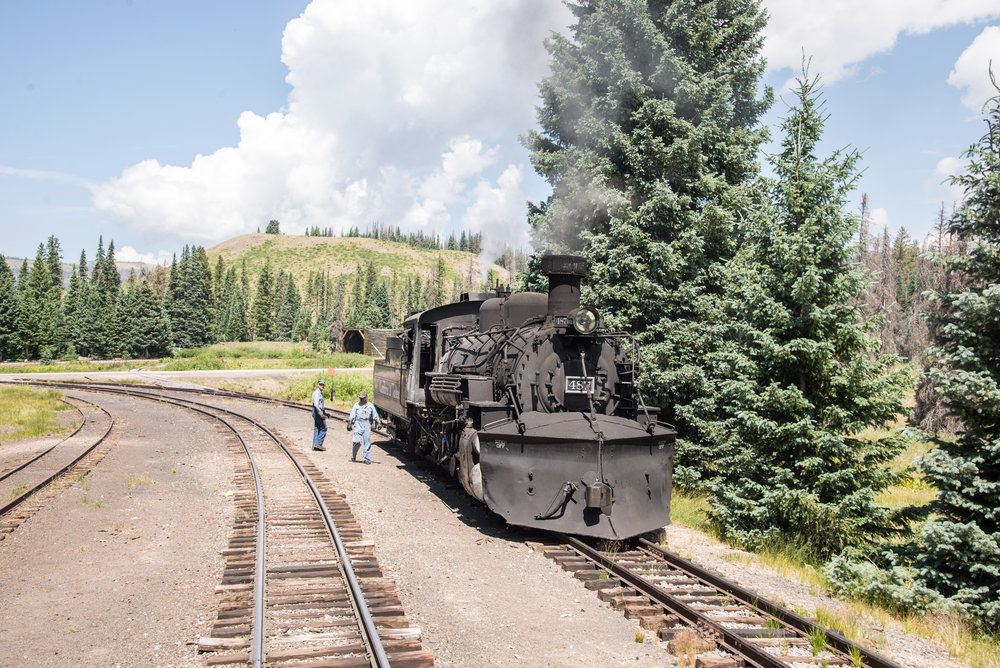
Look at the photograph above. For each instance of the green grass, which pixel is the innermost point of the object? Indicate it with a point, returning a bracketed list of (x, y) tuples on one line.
[(347, 384), (689, 510), (29, 413), (262, 355), (221, 356), (59, 366)]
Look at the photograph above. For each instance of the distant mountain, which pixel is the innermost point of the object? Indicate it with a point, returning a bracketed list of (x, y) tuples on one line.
[(301, 255), (124, 268)]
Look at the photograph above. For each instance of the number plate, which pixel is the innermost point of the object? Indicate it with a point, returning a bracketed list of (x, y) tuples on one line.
[(579, 384)]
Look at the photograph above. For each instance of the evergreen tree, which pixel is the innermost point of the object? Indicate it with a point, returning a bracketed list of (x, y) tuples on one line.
[(379, 315), (437, 290), (288, 312), (262, 311), (338, 315), (118, 340), (111, 280), (356, 319), (53, 258), (649, 137), (150, 334), (207, 304), (273, 227), (91, 311), (959, 550), (802, 386), (38, 309), (10, 339)]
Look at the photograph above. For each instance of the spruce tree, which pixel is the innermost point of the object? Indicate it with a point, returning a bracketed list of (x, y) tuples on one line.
[(38, 309), (288, 312), (10, 340), (262, 311), (150, 332), (379, 315), (959, 550), (802, 385), (650, 130)]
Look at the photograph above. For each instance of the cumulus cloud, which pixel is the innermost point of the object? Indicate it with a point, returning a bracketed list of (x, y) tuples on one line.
[(130, 254), (943, 171), (972, 68), (879, 219), (401, 112), (840, 35)]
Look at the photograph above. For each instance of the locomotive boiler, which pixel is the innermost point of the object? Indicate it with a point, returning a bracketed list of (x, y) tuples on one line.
[(534, 407)]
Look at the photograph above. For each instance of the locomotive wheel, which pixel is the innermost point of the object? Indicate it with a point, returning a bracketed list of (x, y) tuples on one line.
[(412, 435)]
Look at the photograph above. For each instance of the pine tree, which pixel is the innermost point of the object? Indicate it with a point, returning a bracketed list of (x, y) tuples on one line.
[(150, 333), (650, 130), (111, 280), (122, 322), (356, 319), (379, 315), (802, 386), (262, 311), (338, 315), (959, 549), (38, 307), (10, 340), (207, 305), (288, 311)]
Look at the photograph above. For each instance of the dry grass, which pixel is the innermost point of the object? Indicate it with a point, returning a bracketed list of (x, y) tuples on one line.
[(29, 413), (687, 644)]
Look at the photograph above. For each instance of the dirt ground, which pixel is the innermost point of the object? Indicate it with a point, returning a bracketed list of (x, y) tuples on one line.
[(121, 568)]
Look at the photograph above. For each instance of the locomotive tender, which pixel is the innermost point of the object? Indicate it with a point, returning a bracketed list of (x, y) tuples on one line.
[(533, 406)]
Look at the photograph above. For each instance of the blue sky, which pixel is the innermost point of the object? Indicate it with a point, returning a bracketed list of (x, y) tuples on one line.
[(158, 124)]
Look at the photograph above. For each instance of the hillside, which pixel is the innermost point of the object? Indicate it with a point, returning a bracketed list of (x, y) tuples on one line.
[(301, 255)]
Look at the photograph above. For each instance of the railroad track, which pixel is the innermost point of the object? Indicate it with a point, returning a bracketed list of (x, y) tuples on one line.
[(300, 582), (733, 626), (25, 486)]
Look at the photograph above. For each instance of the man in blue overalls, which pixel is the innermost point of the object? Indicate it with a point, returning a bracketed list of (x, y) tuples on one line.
[(319, 416), (363, 418)]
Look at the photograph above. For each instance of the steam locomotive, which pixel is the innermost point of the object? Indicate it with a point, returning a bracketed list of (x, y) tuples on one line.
[(534, 407)]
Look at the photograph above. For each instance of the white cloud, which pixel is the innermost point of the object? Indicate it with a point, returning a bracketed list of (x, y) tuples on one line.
[(943, 171), (399, 112), (129, 254), (972, 68), (879, 219), (840, 35)]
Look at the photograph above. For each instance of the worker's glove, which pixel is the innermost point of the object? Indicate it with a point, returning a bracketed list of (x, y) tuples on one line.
[(350, 426)]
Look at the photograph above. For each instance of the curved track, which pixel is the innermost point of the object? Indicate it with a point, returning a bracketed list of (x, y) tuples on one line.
[(668, 594), (288, 566), (58, 466)]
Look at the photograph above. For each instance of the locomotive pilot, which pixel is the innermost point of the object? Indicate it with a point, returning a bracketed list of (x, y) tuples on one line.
[(363, 418)]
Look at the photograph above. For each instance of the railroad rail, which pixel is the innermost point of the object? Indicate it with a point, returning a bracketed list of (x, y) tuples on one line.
[(667, 593), (37, 474), (303, 574), (34, 458)]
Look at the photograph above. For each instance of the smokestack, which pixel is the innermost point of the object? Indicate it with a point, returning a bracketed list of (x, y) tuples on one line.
[(565, 273)]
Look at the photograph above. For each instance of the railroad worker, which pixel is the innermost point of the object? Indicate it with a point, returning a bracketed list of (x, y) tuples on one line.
[(319, 416), (363, 417)]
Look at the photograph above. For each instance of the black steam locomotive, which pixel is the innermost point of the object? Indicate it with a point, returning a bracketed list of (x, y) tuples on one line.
[(534, 407)]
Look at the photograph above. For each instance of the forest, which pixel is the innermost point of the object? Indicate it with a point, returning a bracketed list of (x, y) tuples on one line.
[(780, 334)]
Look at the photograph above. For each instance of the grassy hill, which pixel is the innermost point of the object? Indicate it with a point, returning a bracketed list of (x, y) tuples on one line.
[(301, 255)]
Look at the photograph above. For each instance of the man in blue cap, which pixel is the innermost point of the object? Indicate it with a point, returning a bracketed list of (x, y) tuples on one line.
[(319, 416), (363, 418)]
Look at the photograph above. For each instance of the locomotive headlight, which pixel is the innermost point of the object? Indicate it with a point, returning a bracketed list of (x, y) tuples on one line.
[(585, 320)]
